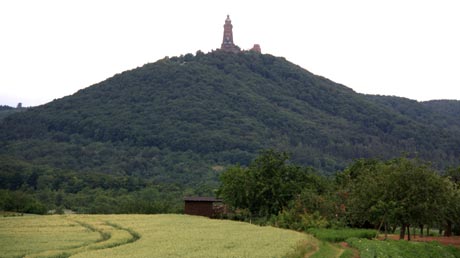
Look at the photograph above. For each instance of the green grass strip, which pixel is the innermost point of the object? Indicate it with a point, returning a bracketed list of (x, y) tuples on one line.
[(340, 235)]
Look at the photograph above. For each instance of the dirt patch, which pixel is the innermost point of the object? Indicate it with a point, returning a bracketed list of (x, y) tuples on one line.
[(355, 251), (344, 244), (454, 240)]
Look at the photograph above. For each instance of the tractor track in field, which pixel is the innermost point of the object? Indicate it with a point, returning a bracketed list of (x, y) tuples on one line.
[(134, 235), (104, 242)]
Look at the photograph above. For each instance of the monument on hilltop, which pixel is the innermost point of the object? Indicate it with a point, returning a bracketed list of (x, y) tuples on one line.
[(256, 48), (227, 42)]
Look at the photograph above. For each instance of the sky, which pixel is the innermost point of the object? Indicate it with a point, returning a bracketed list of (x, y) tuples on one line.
[(52, 48)]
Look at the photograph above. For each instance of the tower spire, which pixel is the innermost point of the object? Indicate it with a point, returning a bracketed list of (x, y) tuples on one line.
[(227, 42)]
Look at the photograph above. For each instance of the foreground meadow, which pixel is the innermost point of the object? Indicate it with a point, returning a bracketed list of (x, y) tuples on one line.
[(402, 249), (141, 236)]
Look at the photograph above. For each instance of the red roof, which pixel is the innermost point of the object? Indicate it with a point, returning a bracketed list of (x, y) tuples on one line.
[(201, 199)]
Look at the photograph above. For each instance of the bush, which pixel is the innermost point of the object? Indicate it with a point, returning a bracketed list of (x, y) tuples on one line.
[(286, 219), (314, 220), (291, 220)]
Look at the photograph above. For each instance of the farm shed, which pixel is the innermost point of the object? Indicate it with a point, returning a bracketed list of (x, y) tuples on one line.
[(203, 206)]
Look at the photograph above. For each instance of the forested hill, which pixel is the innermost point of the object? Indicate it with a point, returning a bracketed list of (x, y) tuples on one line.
[(441, 113), (182, 119), (7, 110)]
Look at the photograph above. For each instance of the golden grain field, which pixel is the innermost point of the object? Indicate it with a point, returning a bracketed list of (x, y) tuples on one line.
[(141, 236)]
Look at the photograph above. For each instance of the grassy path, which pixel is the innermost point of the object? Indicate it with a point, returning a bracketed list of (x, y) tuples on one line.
[(313, 249), (327, 250), (340, 252)]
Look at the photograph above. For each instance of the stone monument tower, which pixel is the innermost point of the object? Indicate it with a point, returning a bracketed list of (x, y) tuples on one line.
[(227, 43)]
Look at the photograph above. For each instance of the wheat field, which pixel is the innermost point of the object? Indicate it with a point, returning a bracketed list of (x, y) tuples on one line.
[(141, 236)]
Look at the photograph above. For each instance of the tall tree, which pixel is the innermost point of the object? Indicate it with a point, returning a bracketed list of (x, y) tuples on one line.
[(400, 191), (266, 186)]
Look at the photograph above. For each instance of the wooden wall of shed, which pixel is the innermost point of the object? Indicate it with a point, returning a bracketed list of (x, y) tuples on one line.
[(199, 208)]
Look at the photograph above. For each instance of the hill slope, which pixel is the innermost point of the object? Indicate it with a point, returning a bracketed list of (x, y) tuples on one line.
[(179, 120), (6, 111)]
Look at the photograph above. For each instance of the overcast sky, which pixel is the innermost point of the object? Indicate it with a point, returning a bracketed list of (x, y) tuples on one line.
[(53, 48)]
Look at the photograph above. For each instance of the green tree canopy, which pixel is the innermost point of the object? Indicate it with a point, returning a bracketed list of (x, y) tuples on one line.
[(266, 186), (399, 191)]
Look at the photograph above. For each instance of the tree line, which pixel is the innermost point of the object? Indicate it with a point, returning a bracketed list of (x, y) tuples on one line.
[(370, 193), (29, 188)]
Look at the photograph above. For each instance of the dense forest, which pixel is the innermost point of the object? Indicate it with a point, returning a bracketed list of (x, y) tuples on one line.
[(7, 110), (173, 126)]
